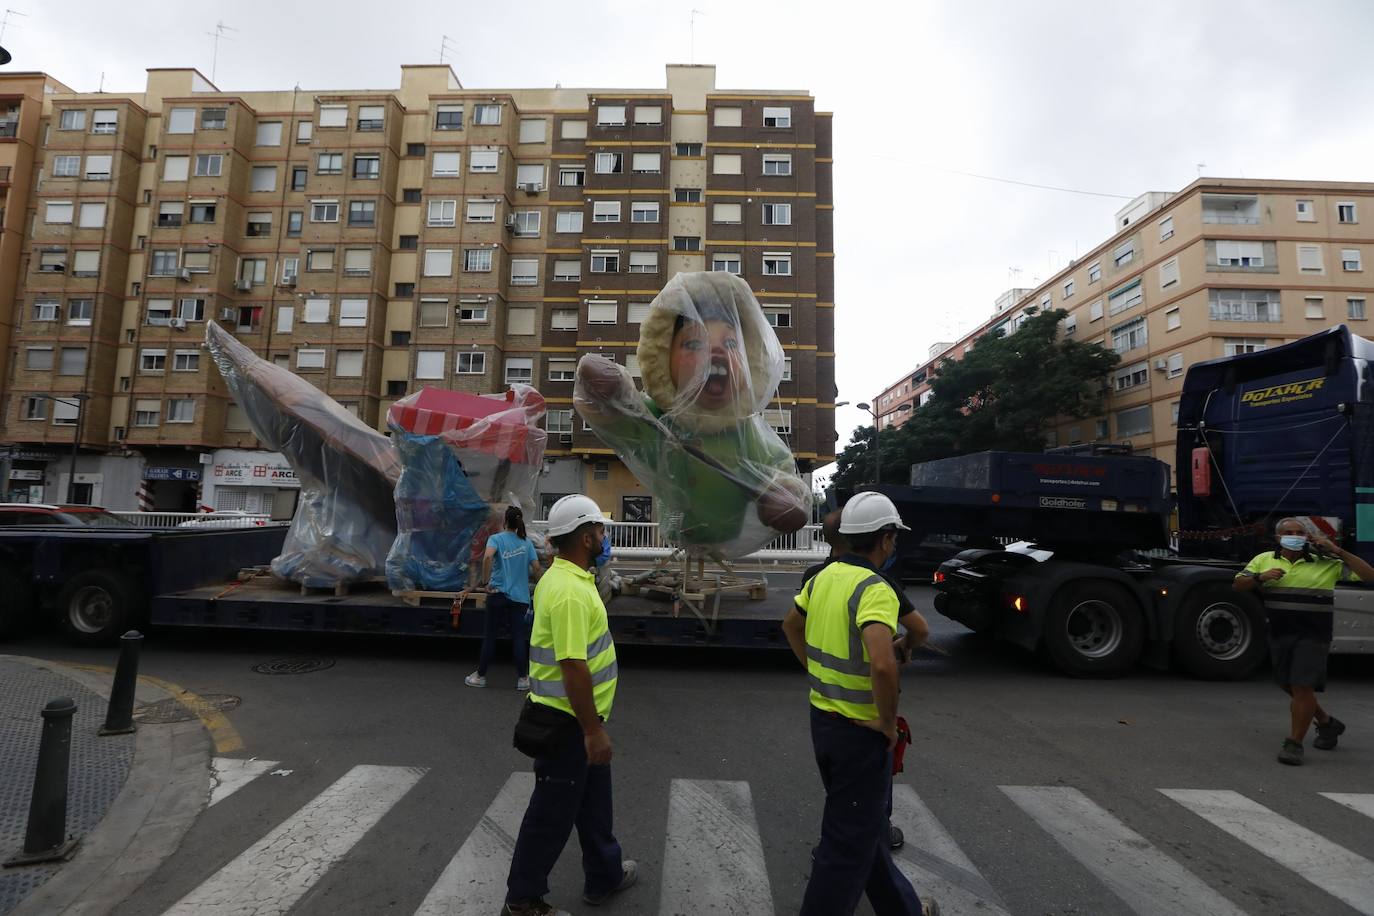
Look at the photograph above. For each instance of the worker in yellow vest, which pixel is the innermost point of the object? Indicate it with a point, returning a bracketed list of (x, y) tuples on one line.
[(572, 685), (841, 630)]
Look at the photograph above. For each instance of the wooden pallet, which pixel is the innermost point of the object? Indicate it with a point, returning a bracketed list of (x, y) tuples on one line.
[(341, 589), (413, 597)]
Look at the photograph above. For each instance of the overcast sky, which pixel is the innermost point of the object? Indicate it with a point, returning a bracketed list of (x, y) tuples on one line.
[(1106, 97)]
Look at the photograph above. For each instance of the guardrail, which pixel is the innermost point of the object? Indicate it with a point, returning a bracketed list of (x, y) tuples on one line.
[(205, 519), (644, 540)]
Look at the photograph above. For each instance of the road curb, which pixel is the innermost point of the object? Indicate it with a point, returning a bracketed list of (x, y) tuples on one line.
[(167, 788)]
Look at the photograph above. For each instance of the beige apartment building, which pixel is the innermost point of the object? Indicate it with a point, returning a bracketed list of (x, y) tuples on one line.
[(375, 242), (1223, 266)]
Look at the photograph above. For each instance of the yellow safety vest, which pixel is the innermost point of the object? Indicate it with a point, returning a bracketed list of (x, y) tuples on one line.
[(570, 623), (1307, 584), (838, 602)]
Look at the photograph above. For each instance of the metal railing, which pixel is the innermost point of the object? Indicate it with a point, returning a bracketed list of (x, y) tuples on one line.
[(644, 540), (200, 519)]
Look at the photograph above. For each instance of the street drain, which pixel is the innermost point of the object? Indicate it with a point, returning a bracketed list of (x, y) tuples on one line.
[(165, 712), (296, 665)]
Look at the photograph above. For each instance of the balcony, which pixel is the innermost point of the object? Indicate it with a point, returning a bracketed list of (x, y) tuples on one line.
[(9, 128), (5, 175), (1230, 209)]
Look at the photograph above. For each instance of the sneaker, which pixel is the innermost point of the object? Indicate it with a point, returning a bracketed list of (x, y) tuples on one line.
[(895, 837), (930, 907), (1291, 753), (1328, 733), (522, 683), (533, 908), (475, 680), (629, 875)]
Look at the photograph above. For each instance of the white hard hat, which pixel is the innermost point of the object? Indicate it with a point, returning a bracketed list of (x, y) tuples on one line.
[(868, 511), (571, 513)]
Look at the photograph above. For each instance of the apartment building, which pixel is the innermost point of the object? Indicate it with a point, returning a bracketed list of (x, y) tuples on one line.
[(375, 242), (1223, 266)]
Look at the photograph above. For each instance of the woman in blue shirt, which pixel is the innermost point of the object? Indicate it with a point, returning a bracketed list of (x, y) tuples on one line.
[(506, 568)]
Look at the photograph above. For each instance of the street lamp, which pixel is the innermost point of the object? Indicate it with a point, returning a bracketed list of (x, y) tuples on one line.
[(877, 440), (76, 401)]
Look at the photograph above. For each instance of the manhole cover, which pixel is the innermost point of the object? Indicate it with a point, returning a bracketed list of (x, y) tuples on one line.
[(165, 712), (298, 665)]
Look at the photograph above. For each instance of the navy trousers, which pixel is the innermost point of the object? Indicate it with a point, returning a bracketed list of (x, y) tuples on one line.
[(500, 608), (568, 793), (853, 858)]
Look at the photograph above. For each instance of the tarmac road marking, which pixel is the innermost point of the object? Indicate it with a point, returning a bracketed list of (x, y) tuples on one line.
[(225, 736), (474, 882), (1331, 867), (1355, 802), (273, 874), (229, 774), (934, 863), (1148, 881), (713, 858)]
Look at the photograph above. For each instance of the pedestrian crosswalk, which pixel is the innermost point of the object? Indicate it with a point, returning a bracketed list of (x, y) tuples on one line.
[(713, 859)]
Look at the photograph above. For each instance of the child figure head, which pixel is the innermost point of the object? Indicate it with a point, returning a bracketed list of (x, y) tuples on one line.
[(709, 355)]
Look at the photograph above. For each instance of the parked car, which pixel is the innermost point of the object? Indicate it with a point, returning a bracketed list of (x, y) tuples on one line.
[(47, 514), (224, 518)]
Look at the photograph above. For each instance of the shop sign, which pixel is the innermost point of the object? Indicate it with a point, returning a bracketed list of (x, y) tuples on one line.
[(191, 474)]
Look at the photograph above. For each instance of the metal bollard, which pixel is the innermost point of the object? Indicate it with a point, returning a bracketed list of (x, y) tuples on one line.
[(46, 838), (119, 715)]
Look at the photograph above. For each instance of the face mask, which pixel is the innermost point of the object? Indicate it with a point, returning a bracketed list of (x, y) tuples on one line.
[(1292, 542), (888, 563)]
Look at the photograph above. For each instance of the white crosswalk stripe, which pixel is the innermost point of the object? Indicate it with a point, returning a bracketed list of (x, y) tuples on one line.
[(1361, 803), (713, 857), (934, 863), (273, 874), (1147, 880), (229, 774), (1333, 868), (475, 880)]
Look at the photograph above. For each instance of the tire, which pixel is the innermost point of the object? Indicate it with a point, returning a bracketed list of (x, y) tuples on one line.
[(94, 607), (16, 604), (1219, 634), (1094, 629)]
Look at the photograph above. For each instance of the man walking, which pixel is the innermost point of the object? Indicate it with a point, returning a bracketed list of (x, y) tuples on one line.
[(841, 630), (572, 671), (1297, 585)]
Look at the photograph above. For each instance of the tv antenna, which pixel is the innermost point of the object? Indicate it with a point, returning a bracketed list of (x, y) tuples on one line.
[(446, 45), (5, 23), (692, 29), (217, 34)]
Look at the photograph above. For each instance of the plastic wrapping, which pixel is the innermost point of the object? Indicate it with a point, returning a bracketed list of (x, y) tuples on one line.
[(464, 459), (696, 438), (345, 520)]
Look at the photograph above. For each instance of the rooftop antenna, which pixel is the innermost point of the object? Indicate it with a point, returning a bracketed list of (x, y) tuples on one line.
[(1200, 167), (446, 45), (218, 33), (5, 23), (692, 28)]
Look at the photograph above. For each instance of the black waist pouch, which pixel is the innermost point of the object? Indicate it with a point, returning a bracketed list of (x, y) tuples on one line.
[(540, 729)]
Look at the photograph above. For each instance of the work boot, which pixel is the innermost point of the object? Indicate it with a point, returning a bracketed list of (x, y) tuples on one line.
[(1291, 753), (629, 875), (532, 908), (895, 838), (1327, 733)]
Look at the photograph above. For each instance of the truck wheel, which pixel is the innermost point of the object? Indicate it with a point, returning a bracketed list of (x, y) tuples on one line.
[(16, 604), (95, 607), (1094, 629), (1220, 633)]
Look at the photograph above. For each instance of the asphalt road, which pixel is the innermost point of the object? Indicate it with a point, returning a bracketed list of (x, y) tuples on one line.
[(1026, 792)]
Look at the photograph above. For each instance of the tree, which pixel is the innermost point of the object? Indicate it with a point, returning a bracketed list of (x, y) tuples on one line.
[(1004, 394)]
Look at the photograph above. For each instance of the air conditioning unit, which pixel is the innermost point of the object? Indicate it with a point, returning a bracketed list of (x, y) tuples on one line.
[(510, 221), (565, 439), (243, 286), (185, 274), (1161, 364), (289, 281), (532, 187), (176, 324), (228, 314)]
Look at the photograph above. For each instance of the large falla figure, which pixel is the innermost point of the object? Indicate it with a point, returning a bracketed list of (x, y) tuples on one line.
[(696, 438)]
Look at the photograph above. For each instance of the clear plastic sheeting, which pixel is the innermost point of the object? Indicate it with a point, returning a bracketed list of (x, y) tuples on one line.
[(696, 437), (464, 459), (345, 520)]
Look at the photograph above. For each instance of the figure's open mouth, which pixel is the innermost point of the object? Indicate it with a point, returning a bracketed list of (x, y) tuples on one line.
[(717, 379)]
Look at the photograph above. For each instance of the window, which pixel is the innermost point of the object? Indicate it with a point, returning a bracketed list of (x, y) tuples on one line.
[(727, 213), (191, 309), (371, 117), (183, 120), (253, 271), (532, 130), (1244, 305), (777, 264), (480, 211), (429, 364), (38, 358), (483, 160), (1354, 308), (410, 196), (285, 316), (203, 212), (146, 412), (362, 213), (529, 176), (312, 358), (1132, 376), (447, 165), (169, 213), (259, 225), (269, 133), (72, 119), (1173, 319), (779, 420), (357, 262), (329, 164), (408, 243), (72, 361), (35, 408), (416, 150), (563, 319), (571, 176), (524, 272), (527, 224), (1168, 273), (324, 211), (486, 114), (777, 163), (605, 261), (439, 262), (608, 163), (1133, 422), (319, 259), (1306, 214), (1070, 325), (610, 116), (433, 313), (520, 321), (787, 369), (1350, 259), (159, 312), (348, 364), (476, 260), (52, 261), (687, 195), (333, 116), (448, 117), (778, 316), (58, 212), (209, 165), (1314, 307), (295, 220), (470, 364), (1128, 336), (474, 309), (1310, 259), (316, 311), (777, 117), (1094, 271), (730, 263), (98, 168), (648, 114), (644, 262), (559, 421), (690, 150), (304, 131), (1068, 289), (369, 166), (646, 163), (210, 119), (87, 263), (66, 166), (637, 312), (568, 221), (264, 178), (445, 212), (298, 177), (519, 370), (1173, 412), (781, 215), (567, 270), (249, 317), (728, 117), (1240, 254), (727, 164), (606, 211), (44, 310), (573, 130), (1235, 346), (1166, 228), (185, 361), (1345, 212), (1124, 253), (602, 469)]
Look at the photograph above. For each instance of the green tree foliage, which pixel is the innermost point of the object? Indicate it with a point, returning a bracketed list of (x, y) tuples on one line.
[(1003, 394)]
